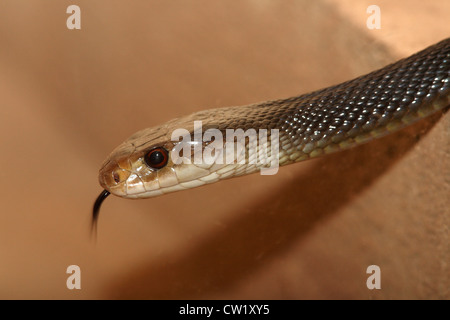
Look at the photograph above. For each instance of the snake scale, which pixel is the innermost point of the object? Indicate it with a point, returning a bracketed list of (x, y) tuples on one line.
[(308, 126)]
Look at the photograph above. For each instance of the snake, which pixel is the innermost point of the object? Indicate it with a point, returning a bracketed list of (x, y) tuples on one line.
[(306, 126)]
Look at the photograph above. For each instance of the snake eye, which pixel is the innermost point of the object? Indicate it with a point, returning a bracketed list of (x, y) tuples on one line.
[(156, 158)]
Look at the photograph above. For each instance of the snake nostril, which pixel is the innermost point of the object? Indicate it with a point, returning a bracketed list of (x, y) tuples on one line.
[(116, 177)]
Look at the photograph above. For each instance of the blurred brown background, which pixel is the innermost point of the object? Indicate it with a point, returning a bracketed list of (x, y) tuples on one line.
[(68, 97)]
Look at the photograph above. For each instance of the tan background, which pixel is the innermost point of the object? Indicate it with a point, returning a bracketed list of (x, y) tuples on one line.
[(69, 97)]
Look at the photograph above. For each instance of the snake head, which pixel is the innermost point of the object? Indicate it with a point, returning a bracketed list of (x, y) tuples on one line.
[(150, 163), (132, 172)]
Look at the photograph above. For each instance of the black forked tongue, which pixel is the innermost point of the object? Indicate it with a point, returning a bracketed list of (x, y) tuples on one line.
[(96, 211)]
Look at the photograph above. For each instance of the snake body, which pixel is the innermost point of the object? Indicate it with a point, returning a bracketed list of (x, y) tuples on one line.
[(309, 125)]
